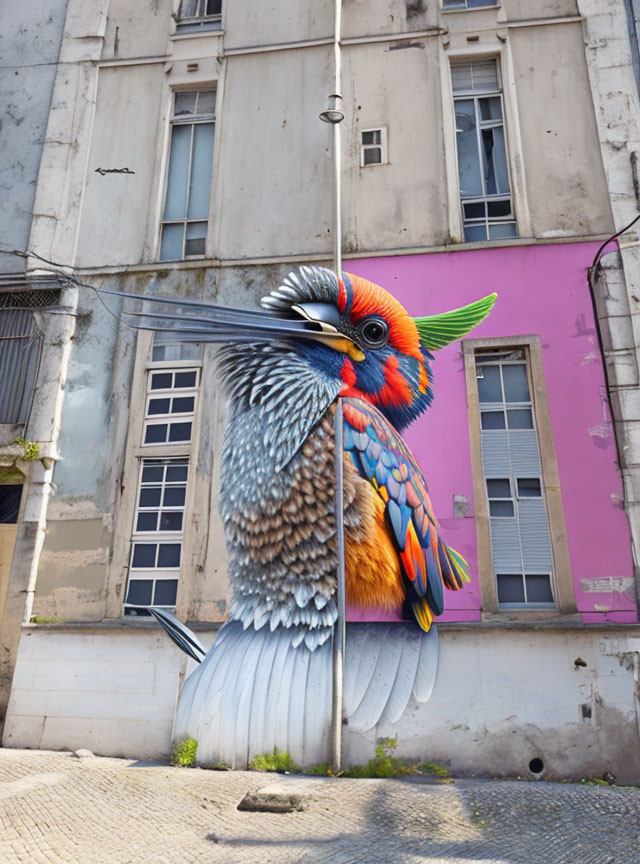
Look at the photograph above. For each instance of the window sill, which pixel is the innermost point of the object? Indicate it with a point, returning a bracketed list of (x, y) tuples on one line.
[(117, 625), (473, 9), (196, 34)]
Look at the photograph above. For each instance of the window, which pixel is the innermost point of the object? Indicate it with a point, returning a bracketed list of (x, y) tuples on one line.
[(20, 342), (170, 406), (199, 15), (373, 149), (483, 172), (186, 207), (156, 548), (519, 528), (467, 4)]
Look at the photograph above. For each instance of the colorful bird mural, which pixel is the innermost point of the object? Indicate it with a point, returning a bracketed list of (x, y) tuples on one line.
[(266, 681)]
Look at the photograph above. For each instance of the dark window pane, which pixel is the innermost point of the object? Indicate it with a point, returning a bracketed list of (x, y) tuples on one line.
[(371, 137), (490, 108), (139, 592), (161, 380), (150, 496), (169, 555), (174, 496), (501, 508), (152, 474), (372, 156), (176, 473), (10, 502), (180, 432), (539, 589), (165, 593), (489, 387), (182, 405), (475, 210), (529, 488), (492, 419), (144, 555), (498, 489), (171, 521), (147, 521), (156, 434), (158, 406), (498, 209), (520, 419), (185, 379), (516, 386), (510, 588)]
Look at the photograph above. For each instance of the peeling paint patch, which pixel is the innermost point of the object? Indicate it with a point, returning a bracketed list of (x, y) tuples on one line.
[(589, 358), (460, 506), (606, 584), (601, 431)]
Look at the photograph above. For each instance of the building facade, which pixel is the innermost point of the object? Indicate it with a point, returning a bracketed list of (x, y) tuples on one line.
[(481, 152)]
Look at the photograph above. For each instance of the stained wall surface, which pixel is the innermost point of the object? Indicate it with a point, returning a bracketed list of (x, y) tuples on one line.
[(29, 56)]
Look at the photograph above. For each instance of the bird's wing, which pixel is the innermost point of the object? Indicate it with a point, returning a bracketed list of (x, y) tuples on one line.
[(381, 456)]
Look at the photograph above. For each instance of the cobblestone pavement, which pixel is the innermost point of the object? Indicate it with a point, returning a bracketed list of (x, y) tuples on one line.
[(58, 809)]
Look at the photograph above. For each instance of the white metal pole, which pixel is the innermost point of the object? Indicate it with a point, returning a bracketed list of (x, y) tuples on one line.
[(334, 115)]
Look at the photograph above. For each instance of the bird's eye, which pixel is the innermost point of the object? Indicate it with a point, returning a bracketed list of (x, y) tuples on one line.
[(374, 333)]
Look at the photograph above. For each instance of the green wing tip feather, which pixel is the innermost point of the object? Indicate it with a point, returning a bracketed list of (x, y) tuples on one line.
[(437, 331), (461, 565)]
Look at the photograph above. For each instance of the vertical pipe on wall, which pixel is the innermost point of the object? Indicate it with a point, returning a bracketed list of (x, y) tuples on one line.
[(333, 114), (339, 632)]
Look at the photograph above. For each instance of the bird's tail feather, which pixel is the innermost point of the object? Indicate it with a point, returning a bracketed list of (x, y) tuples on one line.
[(255, 691), (180, 634)]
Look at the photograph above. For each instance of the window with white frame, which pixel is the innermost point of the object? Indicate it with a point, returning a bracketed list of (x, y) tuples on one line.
[(196, 15), (519, 527), (186, 209), (170, 406), (373, 146), (483, 172), (156, 548), (467, 4)]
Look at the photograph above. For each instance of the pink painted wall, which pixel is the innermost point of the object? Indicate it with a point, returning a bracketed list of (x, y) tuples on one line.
[(541, 290)]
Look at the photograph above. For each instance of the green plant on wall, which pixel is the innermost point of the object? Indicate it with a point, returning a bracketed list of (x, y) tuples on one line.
[(31, 449)]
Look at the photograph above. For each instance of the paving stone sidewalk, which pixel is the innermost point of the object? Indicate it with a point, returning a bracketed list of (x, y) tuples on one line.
[(58, 809)]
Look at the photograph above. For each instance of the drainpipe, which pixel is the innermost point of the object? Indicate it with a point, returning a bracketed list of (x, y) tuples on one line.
[(334, 115)]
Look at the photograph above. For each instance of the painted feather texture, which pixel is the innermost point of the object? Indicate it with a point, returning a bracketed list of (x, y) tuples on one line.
[(255, 690)]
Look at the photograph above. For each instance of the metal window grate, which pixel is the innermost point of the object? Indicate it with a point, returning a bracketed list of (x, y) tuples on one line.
[(29, 299)]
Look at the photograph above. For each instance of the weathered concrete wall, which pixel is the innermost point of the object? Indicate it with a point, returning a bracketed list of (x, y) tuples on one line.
[(30, 42), (272, 154), (492, 711), (114, 693), (495, 707)]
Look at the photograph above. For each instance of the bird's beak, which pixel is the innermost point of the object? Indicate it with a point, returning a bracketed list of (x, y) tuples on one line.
[(192, 321)]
